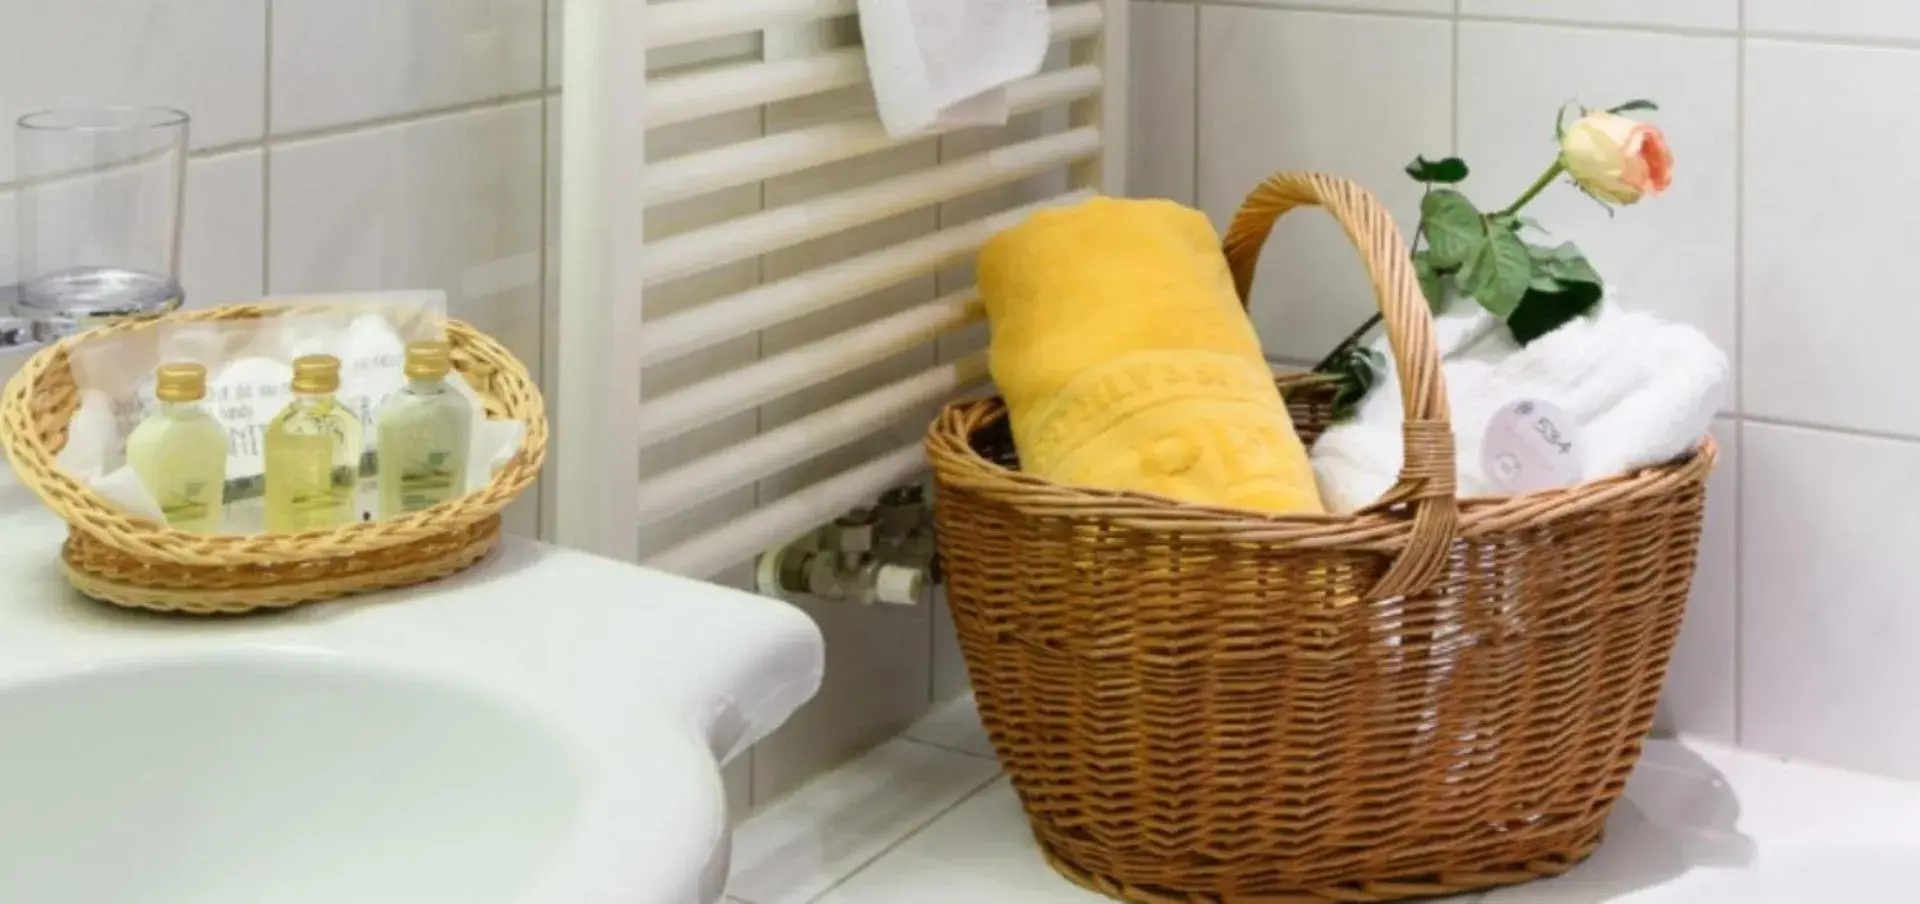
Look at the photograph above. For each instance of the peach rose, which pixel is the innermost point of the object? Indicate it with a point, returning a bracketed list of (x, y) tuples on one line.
[(1618, 159)]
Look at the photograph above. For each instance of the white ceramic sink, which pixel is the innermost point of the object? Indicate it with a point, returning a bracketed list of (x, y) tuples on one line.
[(218, 778), (546, 729)]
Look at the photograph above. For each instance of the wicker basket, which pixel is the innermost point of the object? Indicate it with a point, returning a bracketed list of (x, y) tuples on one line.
[(1429, 697), (131, 561)]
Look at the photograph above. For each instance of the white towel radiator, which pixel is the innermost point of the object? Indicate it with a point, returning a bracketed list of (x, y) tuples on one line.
[(762, 297)]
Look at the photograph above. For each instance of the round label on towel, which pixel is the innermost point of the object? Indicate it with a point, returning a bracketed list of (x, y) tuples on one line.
[(1531, 445)]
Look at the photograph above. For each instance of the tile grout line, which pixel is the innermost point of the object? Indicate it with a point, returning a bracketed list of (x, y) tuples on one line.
[(1739, 579), (1805, 37), (903, 839), (1193, 188), (1855, 432), (1695, 31), (933, 620), (1309, 6), (546, 169), (1453, 122), (268, 141), (1739, 361), (948, 748), (542, 504), (266, 156), (408, 118), (228, 149)]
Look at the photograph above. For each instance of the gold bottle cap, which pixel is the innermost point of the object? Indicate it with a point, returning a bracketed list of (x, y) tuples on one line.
[(427, 360), (316, 373), (182, 382)]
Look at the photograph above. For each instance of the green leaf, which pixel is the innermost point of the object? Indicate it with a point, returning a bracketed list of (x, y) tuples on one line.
[(1542, 282), (1454, 228), (1446, 171), (1512, 223), (1354, 371), (1563, 263), (1541, 313), (1638, 103), (1577, 270), (1498, 277), (1565, 251), (1431, 284)]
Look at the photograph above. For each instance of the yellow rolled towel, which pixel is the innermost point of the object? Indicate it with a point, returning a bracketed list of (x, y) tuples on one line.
[(1127, 362)]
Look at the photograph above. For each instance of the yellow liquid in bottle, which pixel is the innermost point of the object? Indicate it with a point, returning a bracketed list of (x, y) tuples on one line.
[(312, 465), (180, 454)]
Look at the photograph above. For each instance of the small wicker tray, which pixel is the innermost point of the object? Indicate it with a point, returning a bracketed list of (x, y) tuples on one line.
[(131, 561)]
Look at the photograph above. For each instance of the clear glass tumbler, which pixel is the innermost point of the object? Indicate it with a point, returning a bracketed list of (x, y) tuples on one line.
[(100, 196)]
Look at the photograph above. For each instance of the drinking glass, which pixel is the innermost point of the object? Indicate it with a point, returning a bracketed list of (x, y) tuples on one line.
[(100, 196)]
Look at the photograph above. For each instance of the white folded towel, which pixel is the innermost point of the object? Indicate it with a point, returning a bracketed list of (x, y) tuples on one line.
[(948, 62), (1642, 390)]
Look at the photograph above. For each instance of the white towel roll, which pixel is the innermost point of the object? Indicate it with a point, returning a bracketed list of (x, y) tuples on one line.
[(1642, 390)]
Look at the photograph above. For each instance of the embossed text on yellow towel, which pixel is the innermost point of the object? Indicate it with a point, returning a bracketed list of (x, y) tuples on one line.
[(1127, 362)]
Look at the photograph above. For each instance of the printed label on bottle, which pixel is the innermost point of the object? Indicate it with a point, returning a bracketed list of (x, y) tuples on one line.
[(1531, 445), (304, 488), (326, 505), (427, 483), (189, 505)]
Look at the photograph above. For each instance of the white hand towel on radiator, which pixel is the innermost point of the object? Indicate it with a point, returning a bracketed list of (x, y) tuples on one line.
[(948, 62), (1643, 391)]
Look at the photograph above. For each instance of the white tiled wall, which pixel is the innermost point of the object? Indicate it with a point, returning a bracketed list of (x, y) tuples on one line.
[(1787, 238), (1315, 90), (338, 145), (340, 62)]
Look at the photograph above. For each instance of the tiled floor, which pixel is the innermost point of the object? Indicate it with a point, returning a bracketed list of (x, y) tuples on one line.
[(928, 819)]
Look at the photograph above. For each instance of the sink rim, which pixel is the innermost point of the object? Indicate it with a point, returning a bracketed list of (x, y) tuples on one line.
[(658, 678)]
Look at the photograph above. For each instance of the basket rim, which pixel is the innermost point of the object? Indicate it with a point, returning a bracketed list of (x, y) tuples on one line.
[(1419, 517), (957, 463), (86, 511), (485, 537)]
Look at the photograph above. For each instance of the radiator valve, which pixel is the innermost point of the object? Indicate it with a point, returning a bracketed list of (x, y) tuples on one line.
[(882, 554)]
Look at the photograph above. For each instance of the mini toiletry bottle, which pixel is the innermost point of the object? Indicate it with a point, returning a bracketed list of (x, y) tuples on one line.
[(180, 451), (312, 452), (423, 431)]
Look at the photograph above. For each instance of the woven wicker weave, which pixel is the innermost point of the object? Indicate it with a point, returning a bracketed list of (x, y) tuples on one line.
[(1429, 697), (130, 561)]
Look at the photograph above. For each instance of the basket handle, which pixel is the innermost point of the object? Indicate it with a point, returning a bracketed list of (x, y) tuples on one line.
[(1427, 476)]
